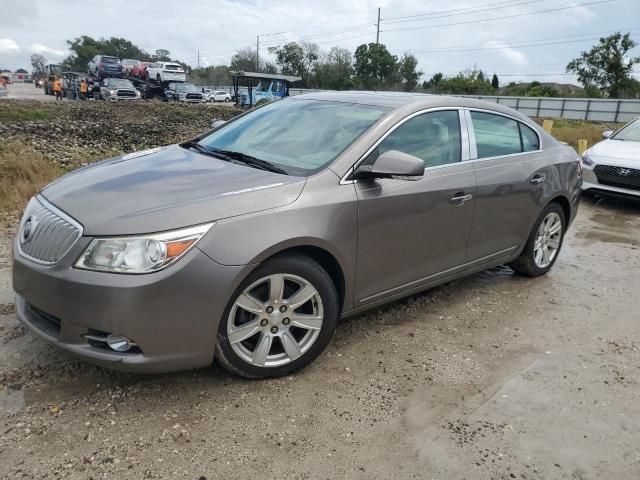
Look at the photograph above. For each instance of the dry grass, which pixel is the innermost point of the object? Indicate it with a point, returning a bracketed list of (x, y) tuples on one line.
[(23, 172), (571, 131)]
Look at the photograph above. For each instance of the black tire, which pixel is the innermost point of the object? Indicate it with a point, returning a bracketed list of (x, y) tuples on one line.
[(158, 80), (226, 99), (311, 271), (525, 264)]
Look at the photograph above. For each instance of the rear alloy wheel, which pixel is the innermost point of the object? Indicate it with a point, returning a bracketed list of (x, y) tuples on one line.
[(544, 243), (280, 319)]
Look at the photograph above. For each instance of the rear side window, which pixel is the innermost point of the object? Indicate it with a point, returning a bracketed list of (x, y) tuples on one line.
[(433, 137), (495, 135), (530, 140)]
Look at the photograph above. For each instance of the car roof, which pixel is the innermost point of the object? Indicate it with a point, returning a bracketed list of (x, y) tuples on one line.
[(407, 100)]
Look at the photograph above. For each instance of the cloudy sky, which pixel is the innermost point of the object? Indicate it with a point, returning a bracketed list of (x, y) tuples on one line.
[(520, 40)]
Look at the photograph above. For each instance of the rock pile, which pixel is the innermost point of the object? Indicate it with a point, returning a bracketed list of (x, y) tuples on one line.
[(73, 134)]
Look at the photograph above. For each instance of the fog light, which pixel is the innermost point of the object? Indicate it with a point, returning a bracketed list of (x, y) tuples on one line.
[(119, 343)]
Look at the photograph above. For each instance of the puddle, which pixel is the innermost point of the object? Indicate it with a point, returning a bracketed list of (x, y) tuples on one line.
[(11, 399), (600, 236)]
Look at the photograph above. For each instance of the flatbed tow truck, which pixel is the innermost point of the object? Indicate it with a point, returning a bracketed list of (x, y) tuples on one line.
[(148, 89)]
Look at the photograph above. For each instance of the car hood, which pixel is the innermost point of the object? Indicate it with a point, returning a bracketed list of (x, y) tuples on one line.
[(624, 153), (166, 188)]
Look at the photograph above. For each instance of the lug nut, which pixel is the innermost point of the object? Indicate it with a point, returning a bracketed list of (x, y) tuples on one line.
[(274, 329), (263, 322), (283, 308), (285, 321), (269, 309)]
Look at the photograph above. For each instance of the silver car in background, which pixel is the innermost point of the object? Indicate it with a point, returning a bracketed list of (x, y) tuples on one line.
[(613, 165), (248, 243)]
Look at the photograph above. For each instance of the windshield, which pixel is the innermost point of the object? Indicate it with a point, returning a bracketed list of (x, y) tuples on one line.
[(630, 133), (109, 60), (120, 83), (299, 136)]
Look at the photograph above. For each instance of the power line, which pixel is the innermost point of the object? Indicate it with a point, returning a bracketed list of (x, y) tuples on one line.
[(438, 12), (549, 10), (502, 47), (469, 11)]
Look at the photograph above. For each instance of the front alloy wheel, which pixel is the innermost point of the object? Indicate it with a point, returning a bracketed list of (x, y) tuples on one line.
[(280, 319)]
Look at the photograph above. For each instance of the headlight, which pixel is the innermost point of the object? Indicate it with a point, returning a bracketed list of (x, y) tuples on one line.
[(112, 92), (140, 254), (587, 161)]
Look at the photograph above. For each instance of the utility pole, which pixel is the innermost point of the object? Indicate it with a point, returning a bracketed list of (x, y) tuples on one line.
[(257, 53), (378, 27), (198, 58)]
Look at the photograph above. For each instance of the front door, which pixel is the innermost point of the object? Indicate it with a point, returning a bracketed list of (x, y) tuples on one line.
[(411, 230)]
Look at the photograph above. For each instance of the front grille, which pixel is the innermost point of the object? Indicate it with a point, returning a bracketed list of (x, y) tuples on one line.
[(194, 96), (45, 234), (620, 177), (126, 93)]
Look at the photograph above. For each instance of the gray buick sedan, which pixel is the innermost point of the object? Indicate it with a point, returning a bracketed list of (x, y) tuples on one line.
[(248, 243)]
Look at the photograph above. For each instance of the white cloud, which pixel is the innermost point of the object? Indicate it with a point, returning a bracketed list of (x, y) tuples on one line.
[(8, 45), (39, 48), (514, 56)]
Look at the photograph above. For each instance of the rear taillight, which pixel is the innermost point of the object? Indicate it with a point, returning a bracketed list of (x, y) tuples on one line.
[(101, 65)]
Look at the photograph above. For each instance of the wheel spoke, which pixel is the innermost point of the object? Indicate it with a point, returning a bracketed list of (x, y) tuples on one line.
[(555, 228), (245, 331), (249, 303), (538, 255), (310, 322), (545, 255), (259, 356), (553, 243), (276, 287), (301, 297), (290, 345)]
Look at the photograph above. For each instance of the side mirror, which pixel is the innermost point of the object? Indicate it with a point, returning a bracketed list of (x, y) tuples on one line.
[(607, 133), (390, 164), (218, 123)]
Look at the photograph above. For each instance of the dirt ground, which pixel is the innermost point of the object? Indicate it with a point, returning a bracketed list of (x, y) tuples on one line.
[(491, 377)]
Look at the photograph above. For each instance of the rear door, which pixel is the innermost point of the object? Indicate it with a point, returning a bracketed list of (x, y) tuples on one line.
[(409, 231), (511, 172)]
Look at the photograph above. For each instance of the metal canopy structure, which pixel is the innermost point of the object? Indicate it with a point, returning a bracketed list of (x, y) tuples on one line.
[(252, 79)]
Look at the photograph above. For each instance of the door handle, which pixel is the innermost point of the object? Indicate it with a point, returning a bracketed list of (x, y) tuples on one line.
[(538, 178), (460, 198)]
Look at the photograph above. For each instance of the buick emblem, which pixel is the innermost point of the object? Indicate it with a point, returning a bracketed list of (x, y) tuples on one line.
[(28, 229), (624, 171)]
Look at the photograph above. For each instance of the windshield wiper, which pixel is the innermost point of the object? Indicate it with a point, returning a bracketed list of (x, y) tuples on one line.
[(248, 160), (231, 156)]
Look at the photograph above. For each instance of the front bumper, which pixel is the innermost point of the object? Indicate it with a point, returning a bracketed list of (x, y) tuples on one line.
[(590, 184), (172, 315)]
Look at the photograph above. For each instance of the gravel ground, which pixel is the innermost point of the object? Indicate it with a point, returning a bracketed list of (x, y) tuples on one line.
[(491, 377)]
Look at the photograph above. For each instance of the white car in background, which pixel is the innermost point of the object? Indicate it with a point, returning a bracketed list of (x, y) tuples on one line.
[(216, 95), (162, 72), (613, 165)]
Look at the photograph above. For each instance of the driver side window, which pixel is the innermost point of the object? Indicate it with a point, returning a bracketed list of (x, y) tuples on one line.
[(433, 137)]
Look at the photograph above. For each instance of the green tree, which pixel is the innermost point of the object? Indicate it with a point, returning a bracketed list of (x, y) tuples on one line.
[(39, 64), (408, 72), (495, 83), (334, 70), (374, 66), (161, 55), (470, 82), (244, 60), (607, 65), (298, 59)]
